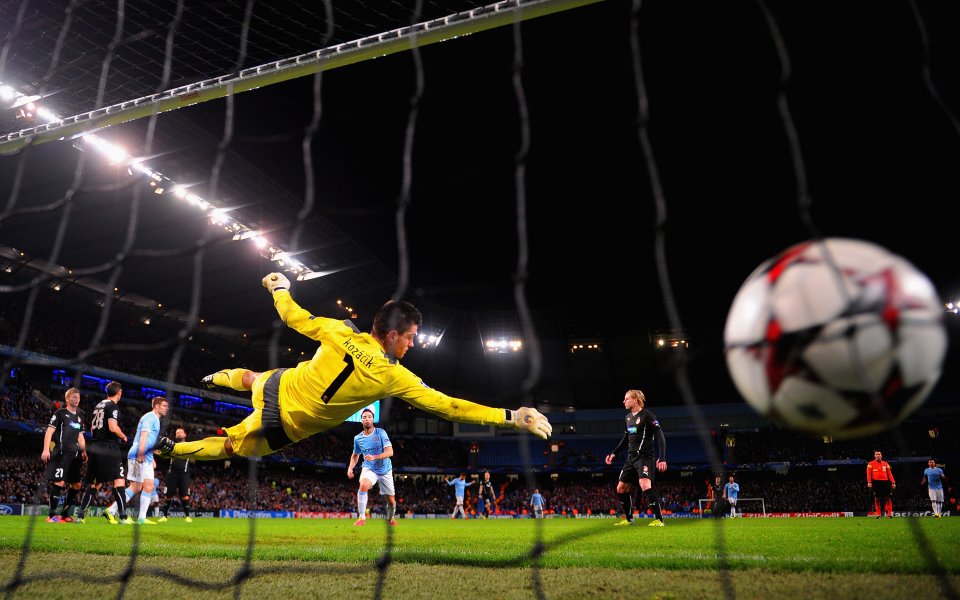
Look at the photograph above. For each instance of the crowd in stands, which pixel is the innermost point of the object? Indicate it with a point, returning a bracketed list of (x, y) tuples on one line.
[(289, 487), (310, 475)]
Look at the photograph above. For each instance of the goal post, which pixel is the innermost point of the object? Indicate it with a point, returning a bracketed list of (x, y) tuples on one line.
[(744, 505)]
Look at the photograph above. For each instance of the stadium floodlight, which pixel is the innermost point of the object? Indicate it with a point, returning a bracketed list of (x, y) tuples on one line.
[(504, 345), (117, 155), (427, 339), (584, 345)]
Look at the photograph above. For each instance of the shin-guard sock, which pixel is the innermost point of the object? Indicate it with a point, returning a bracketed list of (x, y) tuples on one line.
[(362, 505), (654, 503), (85, 501), (144, 505), (120, 497), (54, 492), (70, 501), (627, 503)]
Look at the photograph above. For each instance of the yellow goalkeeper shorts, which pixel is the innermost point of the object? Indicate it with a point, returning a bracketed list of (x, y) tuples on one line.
[(262, 432)]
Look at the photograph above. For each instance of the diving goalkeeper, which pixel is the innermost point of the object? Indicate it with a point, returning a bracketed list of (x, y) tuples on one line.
[(349, 371)]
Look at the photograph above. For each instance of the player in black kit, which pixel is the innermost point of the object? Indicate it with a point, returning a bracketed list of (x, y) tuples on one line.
[(177, 484), (487, 495), (65, 433), (107, 461), (639, 467)]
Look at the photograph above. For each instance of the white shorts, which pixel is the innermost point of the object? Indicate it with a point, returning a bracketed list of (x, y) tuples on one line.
[(385, 481), (139, 472), (732, 501), (459, 500), (935, 495)]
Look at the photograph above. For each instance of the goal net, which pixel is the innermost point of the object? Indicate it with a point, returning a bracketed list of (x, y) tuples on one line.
[(158, 158), (745, 506)]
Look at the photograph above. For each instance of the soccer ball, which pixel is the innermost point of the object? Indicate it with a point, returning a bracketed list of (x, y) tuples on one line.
[(836, 337)]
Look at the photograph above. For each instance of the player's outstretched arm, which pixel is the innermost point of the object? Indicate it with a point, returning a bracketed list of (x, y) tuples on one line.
[(290, 312), (530, 419), (275, 282)]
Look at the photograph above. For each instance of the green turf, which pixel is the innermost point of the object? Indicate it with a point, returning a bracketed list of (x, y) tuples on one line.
[(761, 558)]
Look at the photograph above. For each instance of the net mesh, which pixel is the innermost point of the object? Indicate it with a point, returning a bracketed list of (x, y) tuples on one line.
[(96, 54)]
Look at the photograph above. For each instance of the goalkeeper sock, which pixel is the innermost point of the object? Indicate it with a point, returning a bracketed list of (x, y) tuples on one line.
[(362, 505), (231, 378), (211, 448), (627, 503)]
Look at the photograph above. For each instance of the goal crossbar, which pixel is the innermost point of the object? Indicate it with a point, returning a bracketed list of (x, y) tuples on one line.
[(381, 44)]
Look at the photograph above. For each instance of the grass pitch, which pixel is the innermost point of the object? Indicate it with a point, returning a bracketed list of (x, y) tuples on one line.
[(430, 558)]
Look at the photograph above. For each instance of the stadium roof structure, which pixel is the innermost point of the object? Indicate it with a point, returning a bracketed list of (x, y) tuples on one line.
[(597, 268)]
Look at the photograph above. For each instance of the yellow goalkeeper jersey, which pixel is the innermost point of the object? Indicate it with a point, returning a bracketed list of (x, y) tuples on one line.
[(348, 372)]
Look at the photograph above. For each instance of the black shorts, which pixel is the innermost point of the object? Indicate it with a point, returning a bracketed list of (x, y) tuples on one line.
[(177, 485), (881, 488), (638, 467), (64, 467), (106, 463)]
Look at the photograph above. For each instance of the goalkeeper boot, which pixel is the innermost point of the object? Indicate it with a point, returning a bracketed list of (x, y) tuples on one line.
[(208, 380), (164, 447), (656, 523)]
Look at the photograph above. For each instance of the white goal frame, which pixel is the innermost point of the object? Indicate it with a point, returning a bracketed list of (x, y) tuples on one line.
[(763, 504)]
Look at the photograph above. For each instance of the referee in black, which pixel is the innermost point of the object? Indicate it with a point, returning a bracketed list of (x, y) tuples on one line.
[(642, 427), (177, 484)]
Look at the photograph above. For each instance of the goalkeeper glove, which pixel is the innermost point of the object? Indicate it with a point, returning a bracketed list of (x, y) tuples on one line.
[(276, 281), (530, 419)]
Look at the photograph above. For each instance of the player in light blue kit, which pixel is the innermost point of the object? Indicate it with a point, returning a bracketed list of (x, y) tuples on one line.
[(536, 501), (460, 485), (730, 492), (140, 462), (933, 476), (374, 446)]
